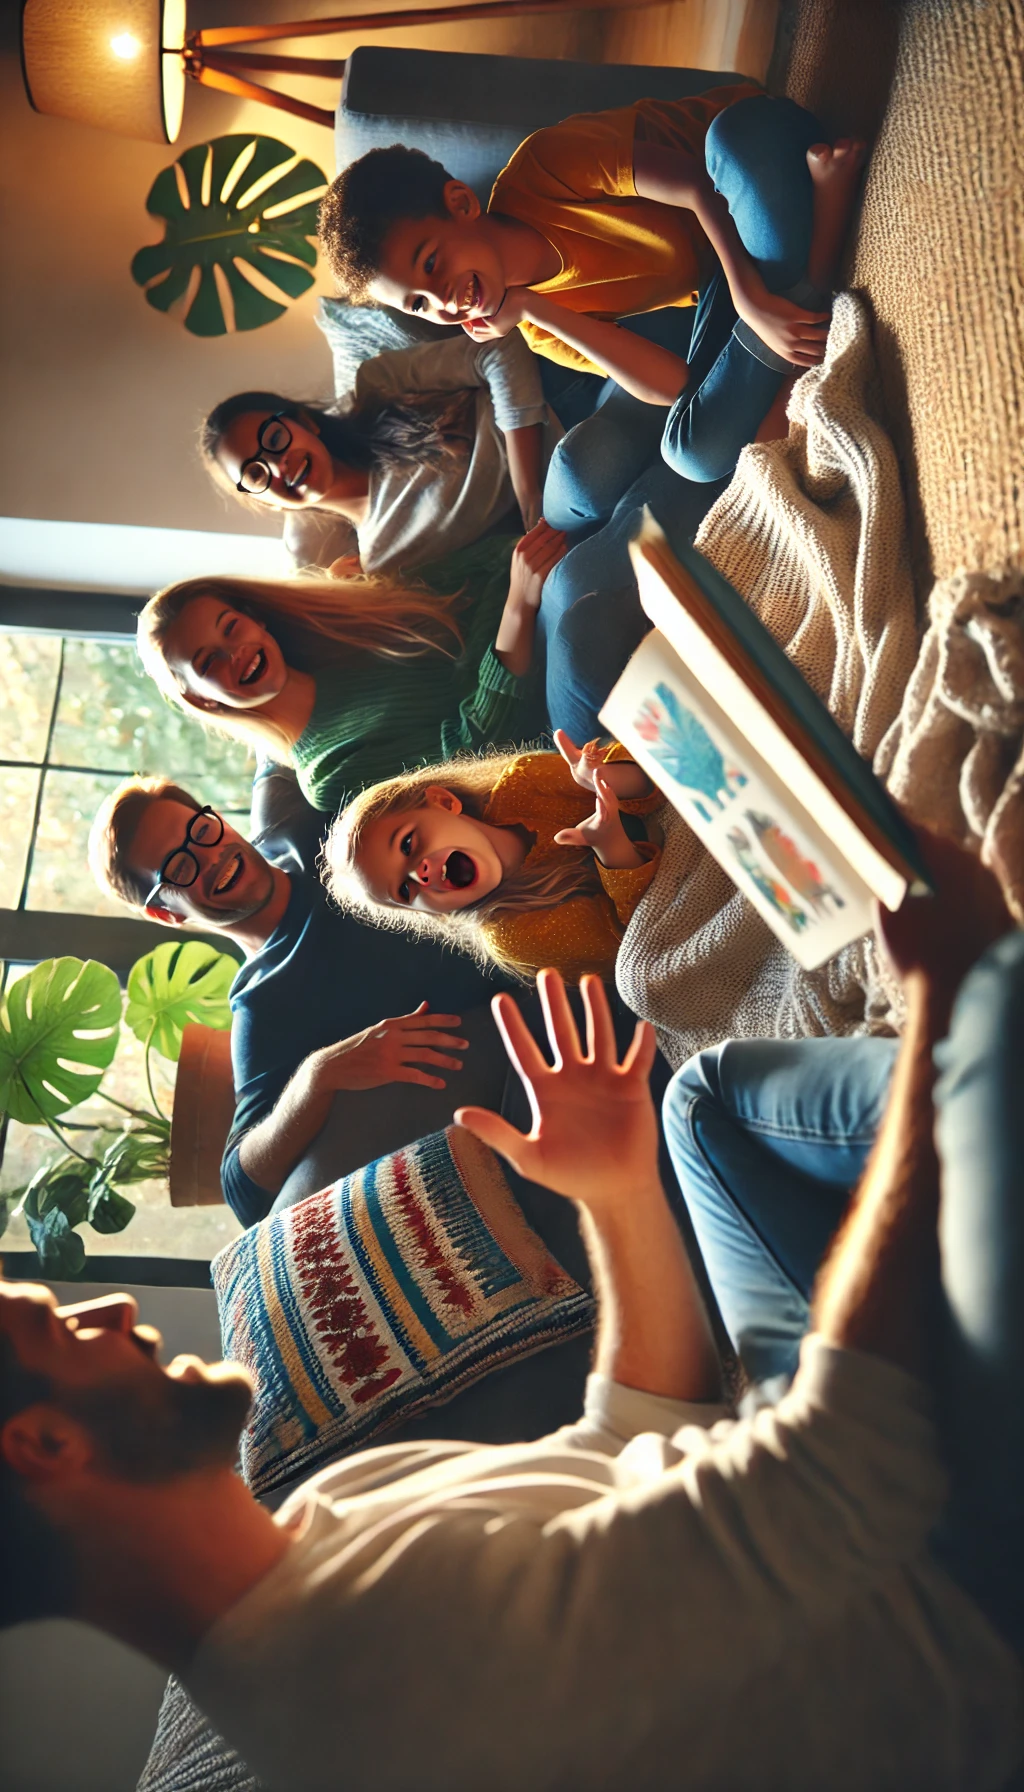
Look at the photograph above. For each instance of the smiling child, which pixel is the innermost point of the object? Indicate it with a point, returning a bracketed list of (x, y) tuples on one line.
[(522, 859)]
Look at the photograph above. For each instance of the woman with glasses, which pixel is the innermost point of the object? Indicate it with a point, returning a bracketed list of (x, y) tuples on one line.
[(354, 680), (438, 445)]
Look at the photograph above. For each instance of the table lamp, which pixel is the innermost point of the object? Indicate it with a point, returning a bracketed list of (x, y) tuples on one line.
[(121, 65)]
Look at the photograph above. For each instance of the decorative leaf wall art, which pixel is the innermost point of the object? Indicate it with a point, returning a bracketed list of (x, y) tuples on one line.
[(239, 241)]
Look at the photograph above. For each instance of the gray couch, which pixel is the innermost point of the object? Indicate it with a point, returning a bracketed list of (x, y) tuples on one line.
[(472, 112)]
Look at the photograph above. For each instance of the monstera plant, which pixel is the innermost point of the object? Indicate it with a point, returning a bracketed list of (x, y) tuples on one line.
[(59, 1030), (239, 234)]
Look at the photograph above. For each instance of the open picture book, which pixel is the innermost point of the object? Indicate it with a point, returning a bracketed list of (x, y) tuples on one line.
[(724, 724)]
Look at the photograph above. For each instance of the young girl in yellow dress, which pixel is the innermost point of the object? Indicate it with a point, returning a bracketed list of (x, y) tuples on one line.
[(520, 859)]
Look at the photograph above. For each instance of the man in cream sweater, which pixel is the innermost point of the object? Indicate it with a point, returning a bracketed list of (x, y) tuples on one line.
[(660, 1595)]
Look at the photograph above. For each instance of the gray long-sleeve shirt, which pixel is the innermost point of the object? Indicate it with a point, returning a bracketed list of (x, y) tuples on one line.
[(417, 514), (650, 1599)]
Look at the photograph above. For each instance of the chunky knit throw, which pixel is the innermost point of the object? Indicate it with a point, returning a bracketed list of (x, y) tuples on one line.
[(811, 532), (955, 758)]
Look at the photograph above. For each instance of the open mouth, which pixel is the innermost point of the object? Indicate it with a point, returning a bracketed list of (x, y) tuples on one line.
[(471, 296), (255, 669), (459, 871), (230, 873), (299, 480)]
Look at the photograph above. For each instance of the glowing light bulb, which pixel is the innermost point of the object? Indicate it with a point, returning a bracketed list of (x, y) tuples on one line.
[(125, 45)]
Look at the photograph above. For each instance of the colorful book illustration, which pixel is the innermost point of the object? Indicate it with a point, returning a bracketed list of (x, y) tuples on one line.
[(728, 728)]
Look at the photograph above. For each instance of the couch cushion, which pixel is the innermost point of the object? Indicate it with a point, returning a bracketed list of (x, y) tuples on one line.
[(384, 1294), (472, 112)]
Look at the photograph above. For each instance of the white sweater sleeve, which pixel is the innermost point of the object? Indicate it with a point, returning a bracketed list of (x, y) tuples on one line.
[(614, 1413)]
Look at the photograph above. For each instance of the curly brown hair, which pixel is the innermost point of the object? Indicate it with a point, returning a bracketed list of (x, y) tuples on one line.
[(367, 198)]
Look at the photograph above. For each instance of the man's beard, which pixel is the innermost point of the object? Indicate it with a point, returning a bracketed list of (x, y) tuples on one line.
[(179, 1427)]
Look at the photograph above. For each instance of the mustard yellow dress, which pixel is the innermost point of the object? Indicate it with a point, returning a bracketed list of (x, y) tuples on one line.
[(539, 793)]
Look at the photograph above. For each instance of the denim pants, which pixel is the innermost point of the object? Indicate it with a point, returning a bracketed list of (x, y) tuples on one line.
[(768, 1136), (756, 155), (597, 461), (591, 617)]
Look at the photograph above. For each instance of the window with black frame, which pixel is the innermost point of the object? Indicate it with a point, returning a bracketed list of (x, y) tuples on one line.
[(78, 715)]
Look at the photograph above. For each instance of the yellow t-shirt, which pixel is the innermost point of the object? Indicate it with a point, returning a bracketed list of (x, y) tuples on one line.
[(538, 792), (620, 254)]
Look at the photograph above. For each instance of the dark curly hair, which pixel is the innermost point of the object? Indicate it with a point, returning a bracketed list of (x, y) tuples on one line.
[(367, 198)]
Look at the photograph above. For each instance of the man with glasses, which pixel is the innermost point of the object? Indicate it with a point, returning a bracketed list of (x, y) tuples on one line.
[(323, 1004)]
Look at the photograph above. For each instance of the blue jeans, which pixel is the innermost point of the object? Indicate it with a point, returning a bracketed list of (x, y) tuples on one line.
[(756, 155), (767, 1137), (591, 617), (598, 460)]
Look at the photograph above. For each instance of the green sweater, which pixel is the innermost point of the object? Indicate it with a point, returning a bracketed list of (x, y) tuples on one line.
[(375, 717)]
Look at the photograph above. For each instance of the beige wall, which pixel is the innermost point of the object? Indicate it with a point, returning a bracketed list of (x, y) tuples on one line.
[(102, 394)]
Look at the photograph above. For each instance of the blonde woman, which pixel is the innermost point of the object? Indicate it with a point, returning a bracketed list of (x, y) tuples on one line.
[(520, 859), (353, 680)]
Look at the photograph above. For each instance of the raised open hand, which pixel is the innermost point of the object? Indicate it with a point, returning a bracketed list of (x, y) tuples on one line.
[(582, 761), (594, 1134), (603, 831)]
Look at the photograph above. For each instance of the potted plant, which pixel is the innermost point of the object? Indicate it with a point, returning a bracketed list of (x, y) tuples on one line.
[(59, 1031)]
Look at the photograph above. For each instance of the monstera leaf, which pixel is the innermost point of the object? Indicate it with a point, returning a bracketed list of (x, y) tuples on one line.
[(229, 232), (58, 1034), (174, 985)]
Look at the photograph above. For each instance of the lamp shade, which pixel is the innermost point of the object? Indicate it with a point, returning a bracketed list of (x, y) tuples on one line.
[(116, 64)]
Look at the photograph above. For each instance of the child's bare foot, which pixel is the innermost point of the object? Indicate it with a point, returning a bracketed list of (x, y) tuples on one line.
[(776, 423), (835, 174)]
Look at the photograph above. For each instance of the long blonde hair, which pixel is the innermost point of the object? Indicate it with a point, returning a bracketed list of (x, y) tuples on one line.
[(473, 780), (311, 619)]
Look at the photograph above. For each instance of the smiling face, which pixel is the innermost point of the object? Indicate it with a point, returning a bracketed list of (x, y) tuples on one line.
[(220, 656), (302, 470), (100, 1370), (235, 882), (434, 858), (445, 269)]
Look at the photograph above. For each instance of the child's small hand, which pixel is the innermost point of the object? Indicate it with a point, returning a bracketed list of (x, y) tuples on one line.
[(623, 776), (501, 322), (582, 761), (603, 831), (798, 335)]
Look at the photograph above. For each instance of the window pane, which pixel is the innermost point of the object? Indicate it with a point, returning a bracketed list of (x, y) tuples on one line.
[(156, 1229), (17, 806), (111, 715), (61, 879), (28, 674)]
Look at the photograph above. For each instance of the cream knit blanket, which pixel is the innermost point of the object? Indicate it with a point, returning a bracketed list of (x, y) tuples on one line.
[(955, 758), (811, 532)]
